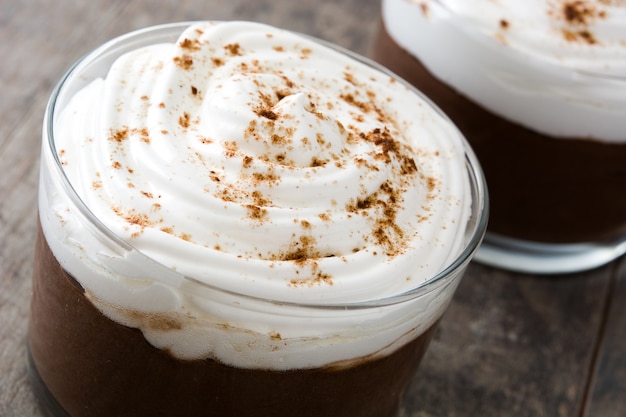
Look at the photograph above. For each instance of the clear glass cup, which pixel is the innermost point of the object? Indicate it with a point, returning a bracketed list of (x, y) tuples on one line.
[(82, 363), (557, 201)]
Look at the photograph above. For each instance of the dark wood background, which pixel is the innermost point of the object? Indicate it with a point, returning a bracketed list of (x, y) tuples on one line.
[(510, 344)]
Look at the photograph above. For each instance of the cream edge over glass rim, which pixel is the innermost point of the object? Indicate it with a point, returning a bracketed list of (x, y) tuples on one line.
[(558, 67), (264, 163)]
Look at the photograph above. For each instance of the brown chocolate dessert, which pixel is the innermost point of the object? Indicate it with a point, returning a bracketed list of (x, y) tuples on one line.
[(565, 190), (170, 155), (94, 367)]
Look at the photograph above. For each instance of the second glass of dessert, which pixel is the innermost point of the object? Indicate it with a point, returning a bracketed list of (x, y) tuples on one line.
[(539, 89)]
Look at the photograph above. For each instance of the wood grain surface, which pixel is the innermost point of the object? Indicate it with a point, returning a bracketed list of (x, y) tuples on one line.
[(510, 344)]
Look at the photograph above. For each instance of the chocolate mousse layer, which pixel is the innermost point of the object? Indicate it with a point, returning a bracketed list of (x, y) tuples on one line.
[(543, 189), (94, 367)]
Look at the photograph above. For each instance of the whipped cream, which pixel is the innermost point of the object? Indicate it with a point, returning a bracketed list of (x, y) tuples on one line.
[(242, 173), (558, 67)]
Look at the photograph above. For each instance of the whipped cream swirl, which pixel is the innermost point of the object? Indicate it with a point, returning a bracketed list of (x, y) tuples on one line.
[(558, 67), (262, 163)]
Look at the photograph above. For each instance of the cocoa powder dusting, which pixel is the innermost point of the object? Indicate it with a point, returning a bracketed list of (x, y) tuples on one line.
[(386, 202), (268, 114), (259, 199), (578, 12), (144, 135), (578, 16), (259, 177), (247, 161), (383, 139), (317, 279), (256, 213), (184, 120), (192, 45), (119, 135), (134, 218), (167, 230), (233, 49), (185, 62), (125, 133), (324, 216)]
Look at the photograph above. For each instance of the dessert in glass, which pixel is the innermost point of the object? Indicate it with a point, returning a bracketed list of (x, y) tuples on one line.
[(539, 90), (237, 220)]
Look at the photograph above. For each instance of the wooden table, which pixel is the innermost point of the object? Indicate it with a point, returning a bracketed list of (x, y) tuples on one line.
[(510, 344)]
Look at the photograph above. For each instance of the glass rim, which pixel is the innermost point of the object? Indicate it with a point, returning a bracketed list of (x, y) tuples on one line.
[(478, 186)]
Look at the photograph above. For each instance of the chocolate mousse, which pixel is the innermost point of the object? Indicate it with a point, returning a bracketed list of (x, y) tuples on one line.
[(91, 366)]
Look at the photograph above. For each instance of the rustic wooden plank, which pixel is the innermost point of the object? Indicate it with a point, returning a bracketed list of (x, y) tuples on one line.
[(608, 393), (509, 345), (17, 220), (512, 344), (25, 84)]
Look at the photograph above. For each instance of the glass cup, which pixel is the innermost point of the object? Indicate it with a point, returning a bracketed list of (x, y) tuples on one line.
[(551, 139), (84, 363)]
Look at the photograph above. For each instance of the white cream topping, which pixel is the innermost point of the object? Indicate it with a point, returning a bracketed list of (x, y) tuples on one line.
[(263, 163), (556, 66)]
